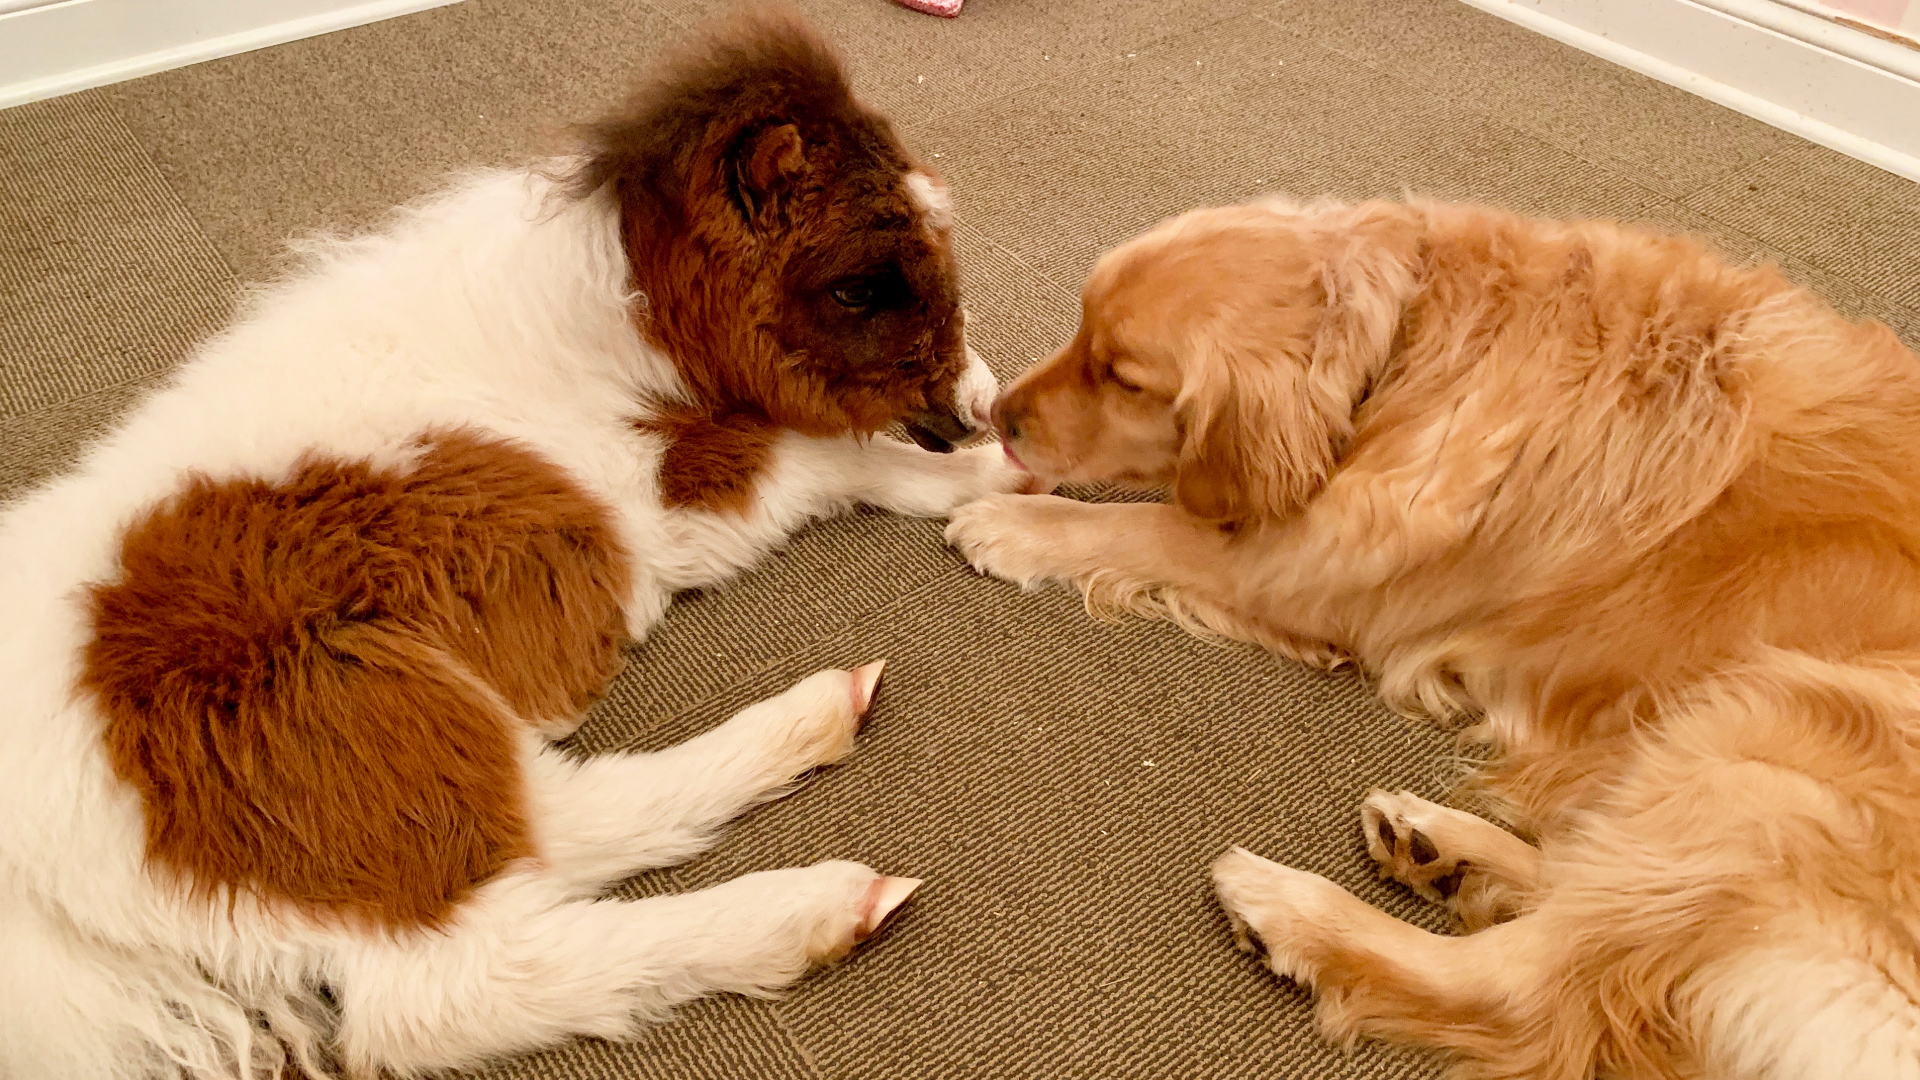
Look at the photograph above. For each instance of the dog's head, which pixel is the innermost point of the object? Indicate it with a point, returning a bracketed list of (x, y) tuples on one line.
[(1221, 354), (795, 259)]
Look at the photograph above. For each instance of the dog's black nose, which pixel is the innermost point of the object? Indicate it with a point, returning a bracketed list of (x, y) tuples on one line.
[(1005, 420)]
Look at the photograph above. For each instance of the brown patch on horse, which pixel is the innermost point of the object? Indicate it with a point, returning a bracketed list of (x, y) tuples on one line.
[(313, 684), (786, 266), (710, 461)]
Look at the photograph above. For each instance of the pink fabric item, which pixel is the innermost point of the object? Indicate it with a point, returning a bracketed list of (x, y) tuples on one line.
[(946, 9), (1887, 13)]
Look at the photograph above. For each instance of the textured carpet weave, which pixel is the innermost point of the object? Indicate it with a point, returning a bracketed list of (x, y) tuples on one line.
[(1061, 784)]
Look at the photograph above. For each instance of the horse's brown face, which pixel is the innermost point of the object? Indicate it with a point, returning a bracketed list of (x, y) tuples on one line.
[(796, 259)]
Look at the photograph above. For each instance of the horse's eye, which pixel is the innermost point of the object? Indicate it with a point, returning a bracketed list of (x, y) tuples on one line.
[(853, 297)]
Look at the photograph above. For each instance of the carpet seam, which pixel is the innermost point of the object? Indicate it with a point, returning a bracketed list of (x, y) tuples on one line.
[(777, 661), (27, 419), (138, 177), (1775, 255), (1688, 203), (771, 663), (807, 1057), (173, 193), (1066, 292)]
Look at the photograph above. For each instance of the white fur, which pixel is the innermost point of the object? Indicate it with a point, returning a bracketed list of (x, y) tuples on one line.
[(932, 199), (1806, 1013), (500, 306), (974, 393)]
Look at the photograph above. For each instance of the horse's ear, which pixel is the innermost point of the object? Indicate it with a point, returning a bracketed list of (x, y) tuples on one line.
[(769, 165)]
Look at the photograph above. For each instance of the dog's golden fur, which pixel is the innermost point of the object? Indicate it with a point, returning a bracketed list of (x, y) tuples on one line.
[(1655, 517)]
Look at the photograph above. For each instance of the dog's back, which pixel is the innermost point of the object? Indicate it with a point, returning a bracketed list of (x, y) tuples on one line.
[(1702, 658), (1698, 461)]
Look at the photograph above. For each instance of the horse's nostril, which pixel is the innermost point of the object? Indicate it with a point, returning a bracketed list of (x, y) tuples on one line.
[(1011, 428)]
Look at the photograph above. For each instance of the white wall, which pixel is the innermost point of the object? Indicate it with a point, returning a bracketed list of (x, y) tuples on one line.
[(1839, 87), (1847, 90), (52, 47)]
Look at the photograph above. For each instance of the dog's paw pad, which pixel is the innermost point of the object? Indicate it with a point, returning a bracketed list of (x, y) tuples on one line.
[(1407, 853)]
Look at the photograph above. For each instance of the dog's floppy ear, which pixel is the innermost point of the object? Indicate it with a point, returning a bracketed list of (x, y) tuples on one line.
[(768, 166), (1269, 394), (1254, 444)]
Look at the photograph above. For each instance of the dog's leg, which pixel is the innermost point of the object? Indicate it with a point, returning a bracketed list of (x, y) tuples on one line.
[(1477, 869), (1149, 560), (520, 965), (607, 817), (1030, 539), (1365, 528), (1372, 973)]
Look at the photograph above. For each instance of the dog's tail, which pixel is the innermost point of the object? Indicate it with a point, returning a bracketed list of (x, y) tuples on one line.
[(75, 1008)]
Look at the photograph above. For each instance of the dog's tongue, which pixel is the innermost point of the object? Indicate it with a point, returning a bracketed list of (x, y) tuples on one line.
[(946, 9)]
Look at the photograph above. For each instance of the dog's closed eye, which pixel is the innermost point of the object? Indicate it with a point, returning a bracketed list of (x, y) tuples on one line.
[(1123, 382)]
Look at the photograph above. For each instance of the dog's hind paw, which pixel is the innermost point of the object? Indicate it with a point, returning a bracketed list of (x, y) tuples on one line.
[(1447, 856), (1277, 913)]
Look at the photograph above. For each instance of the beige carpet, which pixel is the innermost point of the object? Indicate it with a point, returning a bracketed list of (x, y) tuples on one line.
[(1061, 784)]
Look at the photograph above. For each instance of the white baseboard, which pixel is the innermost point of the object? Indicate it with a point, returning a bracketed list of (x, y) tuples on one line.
[(54, 47), (1846, 90)]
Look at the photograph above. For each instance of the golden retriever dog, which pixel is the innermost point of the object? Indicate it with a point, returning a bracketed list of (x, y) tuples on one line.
[(1653, 517)]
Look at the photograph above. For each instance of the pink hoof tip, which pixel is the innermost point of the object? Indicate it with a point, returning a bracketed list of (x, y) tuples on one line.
[(883, 899), (866, 679)]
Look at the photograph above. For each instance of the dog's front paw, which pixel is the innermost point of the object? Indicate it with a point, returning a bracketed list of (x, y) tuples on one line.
[(1012, 537)]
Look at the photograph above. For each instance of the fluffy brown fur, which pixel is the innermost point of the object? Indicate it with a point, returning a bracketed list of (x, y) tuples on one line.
[(1656, 517), (270, 645), (337, 661), (711, 457), (783, 263)]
